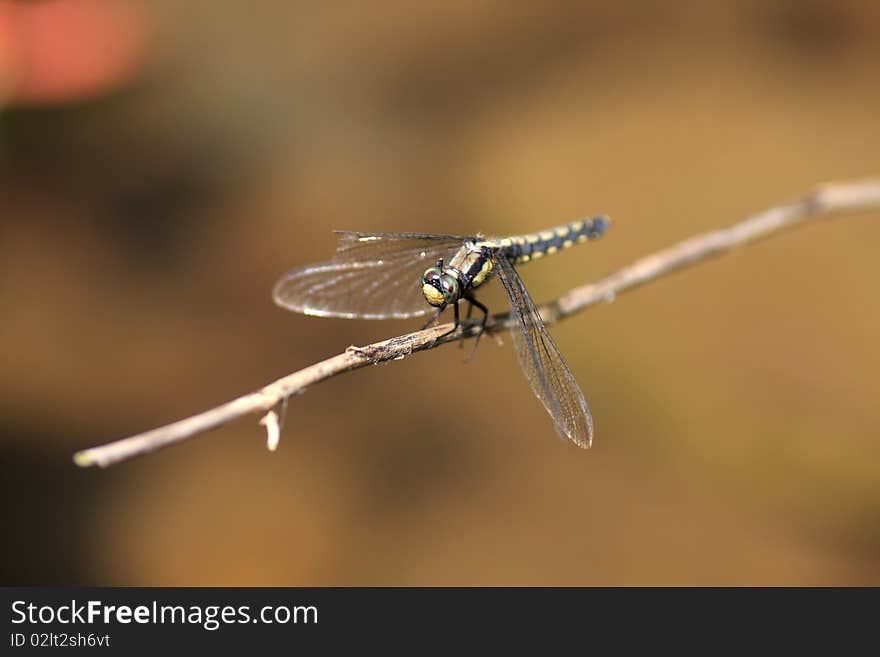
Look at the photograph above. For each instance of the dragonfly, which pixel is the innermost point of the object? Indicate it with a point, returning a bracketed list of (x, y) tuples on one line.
[(393, 275)]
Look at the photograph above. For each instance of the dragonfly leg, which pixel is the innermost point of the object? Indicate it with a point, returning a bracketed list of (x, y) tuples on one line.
[(455, 325), (435, 317), (467, 319), (473, 302)]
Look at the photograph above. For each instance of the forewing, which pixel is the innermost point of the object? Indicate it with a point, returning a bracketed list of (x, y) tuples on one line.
[(372, 276), (543, 364)]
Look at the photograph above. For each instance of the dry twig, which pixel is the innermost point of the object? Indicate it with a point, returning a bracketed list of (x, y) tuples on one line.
[(825, 200)]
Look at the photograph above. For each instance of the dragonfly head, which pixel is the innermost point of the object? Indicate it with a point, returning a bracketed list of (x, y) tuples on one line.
[(440, 288)]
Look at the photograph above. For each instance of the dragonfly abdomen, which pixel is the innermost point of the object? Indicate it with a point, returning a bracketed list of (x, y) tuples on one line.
[(523, 248)]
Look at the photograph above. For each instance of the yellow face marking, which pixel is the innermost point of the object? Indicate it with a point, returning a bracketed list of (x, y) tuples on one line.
[(567, 243), (582, 239), (562, 231), (546, 235), (432, 295), (577, 226), (481, 275), (551, 250)]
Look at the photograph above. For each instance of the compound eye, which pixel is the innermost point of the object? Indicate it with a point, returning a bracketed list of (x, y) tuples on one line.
[(430, 274), (449, 284)]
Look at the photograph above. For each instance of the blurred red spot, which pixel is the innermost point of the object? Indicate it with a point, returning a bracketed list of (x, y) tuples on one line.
[(63, 50)]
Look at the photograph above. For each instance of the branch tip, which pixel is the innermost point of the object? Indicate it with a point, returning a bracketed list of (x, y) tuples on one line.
[(273, 430)]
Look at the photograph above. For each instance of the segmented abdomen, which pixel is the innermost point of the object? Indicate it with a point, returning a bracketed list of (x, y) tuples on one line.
[(523, 248)]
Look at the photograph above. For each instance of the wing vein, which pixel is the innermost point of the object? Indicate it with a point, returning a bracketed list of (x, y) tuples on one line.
[(542, 363), (372, 276)]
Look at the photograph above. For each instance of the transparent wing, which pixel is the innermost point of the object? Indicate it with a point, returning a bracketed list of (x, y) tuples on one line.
[(372, 276), (542, 363)]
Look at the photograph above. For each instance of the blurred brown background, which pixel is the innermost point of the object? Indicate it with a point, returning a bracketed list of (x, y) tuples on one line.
[(145, 222)]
